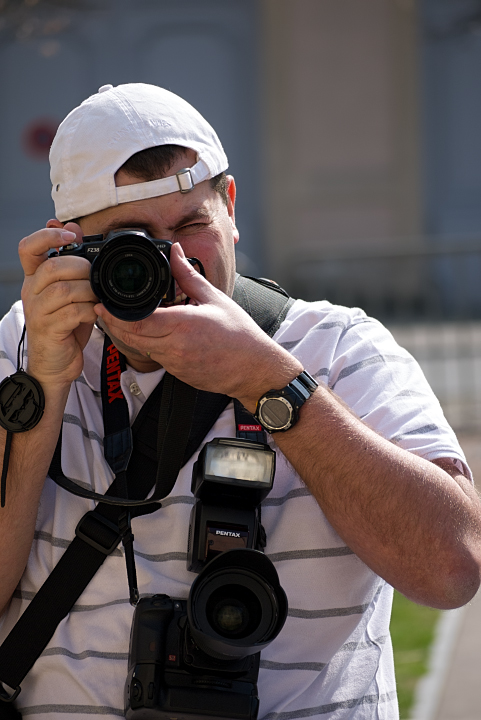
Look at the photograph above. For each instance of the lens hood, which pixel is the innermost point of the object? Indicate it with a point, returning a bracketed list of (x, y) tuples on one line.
[(236, 606)]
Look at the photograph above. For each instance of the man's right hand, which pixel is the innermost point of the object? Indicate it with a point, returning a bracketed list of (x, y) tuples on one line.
[(58, 304)]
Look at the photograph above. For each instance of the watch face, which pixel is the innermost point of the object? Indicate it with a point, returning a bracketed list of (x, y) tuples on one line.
[(275, 413)]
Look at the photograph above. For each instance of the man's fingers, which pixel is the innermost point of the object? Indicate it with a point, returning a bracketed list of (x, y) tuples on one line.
[(57, 295), (188, 278), (63, 321), (33, 250), (56, 270), (72, 226), (158, 325)]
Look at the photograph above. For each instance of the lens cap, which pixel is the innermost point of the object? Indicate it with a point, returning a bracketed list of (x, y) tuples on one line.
[(22, 402)]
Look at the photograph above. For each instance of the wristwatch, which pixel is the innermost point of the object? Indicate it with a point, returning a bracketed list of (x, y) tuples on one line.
[(278, 410)]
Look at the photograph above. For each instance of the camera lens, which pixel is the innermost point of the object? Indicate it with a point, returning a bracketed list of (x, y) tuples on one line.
[(234, 611), (236, 605), (129, 275)]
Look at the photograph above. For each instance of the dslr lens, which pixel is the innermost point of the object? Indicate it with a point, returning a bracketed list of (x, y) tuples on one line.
[(234, 611), (236, 606), (129, 275)]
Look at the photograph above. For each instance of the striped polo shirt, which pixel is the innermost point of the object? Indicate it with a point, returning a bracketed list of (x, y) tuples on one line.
[(333, 658)]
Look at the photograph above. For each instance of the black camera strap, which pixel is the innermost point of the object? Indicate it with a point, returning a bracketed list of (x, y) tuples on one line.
[(100, 531)]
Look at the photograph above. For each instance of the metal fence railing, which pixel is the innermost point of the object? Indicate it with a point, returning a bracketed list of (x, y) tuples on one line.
[(425, 282), (450, 356)]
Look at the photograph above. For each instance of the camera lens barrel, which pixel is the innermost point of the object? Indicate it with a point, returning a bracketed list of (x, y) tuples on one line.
[(236, 605), (131, 274)]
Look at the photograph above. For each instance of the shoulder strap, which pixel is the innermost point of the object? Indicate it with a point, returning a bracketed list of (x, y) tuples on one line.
[(264, 300), (98, 532)]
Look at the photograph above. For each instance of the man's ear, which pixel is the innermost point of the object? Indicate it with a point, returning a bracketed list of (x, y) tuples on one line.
[(54, 223), (231, 193)]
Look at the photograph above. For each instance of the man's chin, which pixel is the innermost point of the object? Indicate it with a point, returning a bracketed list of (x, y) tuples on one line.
[(133, 356)]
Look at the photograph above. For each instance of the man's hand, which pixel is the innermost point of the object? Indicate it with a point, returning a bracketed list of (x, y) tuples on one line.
[(211, 343), (58, 304)]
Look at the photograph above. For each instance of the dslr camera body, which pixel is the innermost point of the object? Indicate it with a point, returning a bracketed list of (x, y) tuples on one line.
[(199, 658), (130, 271)]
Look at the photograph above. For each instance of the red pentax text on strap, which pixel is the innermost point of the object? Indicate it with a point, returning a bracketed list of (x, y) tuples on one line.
[(113, 374)]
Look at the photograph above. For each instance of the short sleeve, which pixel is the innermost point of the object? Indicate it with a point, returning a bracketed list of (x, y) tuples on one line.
[(359, 359)]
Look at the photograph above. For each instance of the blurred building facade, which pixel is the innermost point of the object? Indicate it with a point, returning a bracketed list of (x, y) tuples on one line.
[(352, 129)]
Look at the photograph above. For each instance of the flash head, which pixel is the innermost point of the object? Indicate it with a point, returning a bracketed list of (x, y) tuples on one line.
[(230, 467)]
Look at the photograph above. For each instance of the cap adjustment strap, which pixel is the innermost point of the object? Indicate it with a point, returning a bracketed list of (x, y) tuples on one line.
[(185, 180)]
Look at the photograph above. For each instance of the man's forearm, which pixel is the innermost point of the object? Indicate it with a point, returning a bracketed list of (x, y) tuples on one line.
[(405, 517), (30, 458)]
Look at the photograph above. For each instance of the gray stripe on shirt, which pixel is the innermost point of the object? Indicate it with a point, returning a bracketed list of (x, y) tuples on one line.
[(376, 359), (178, 500), (309, 554), (328, 612), (3, 355), (353, 646), (83, 381), (410, 393), (332, 707), (29, 595), (89, 434), (47, 537), (323, 372), (87, 608), (274, 501), (61, 542), (289, 344), (358, 321), (85, 654), (417, 431), (271, 665), (318, 666), (72, 710), (163, 557)]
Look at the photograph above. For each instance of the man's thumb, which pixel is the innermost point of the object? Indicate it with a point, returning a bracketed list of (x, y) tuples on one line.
[(188, 278)]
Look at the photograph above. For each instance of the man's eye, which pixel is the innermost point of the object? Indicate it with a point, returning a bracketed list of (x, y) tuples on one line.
[(193, 226)]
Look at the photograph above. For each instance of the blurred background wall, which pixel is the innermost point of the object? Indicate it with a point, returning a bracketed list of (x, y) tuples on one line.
[(352, 129)]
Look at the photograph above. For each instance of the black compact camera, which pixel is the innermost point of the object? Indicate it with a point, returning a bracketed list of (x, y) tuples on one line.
[(130, 271), (199, 658)]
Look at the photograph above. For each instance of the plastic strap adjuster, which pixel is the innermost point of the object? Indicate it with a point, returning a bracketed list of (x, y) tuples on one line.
[(92, 523), (185, 180), (5, 697)]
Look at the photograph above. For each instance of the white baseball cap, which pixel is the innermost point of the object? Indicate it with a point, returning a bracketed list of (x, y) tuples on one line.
[(102, 133)]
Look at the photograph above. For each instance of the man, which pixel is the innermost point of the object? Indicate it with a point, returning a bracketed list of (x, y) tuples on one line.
[(358, 505)]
